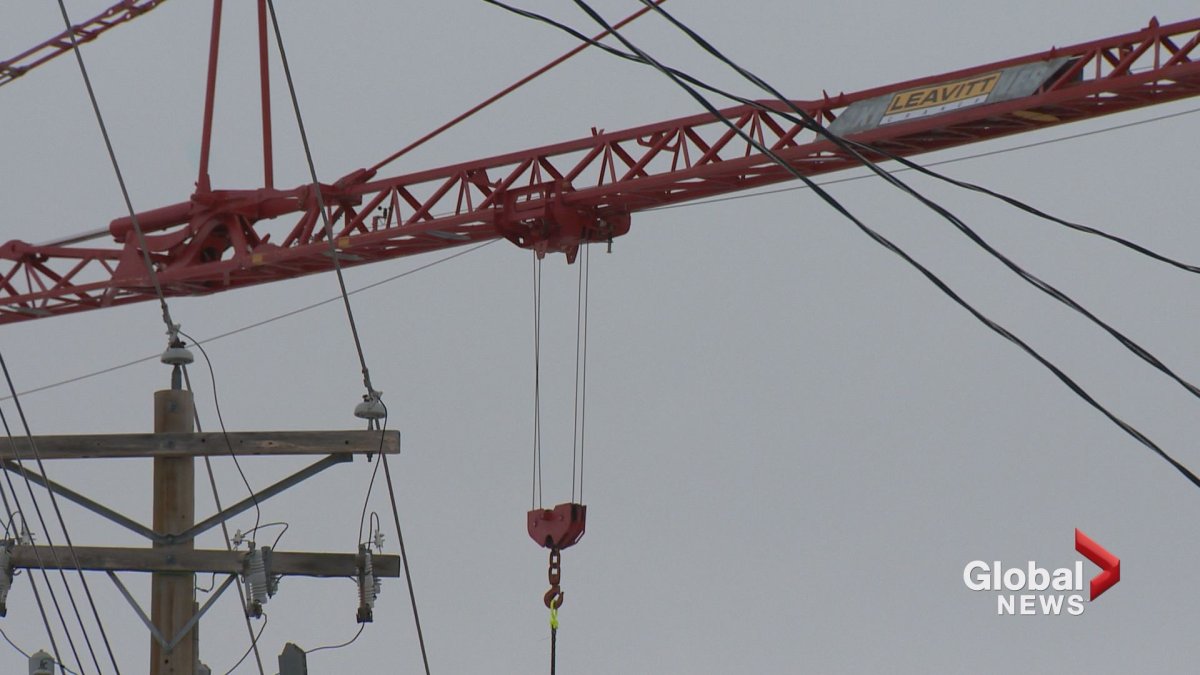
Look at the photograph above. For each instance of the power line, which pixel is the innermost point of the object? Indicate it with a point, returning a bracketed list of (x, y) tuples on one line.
[(412, 596), (41, 565), (46, 530), (909, 165), (37, 596), (256, 324), (1047, 288), (334, 253), (27, 655), (952, 160), (890, 246), (112, 156), (817, 128)]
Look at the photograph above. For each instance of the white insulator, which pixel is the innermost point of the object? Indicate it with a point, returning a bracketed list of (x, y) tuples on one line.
[(256, 576), (371, 407), (368, 587), (177, 355)]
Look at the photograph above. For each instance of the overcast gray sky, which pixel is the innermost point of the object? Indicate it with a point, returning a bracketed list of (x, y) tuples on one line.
[(795, 443)]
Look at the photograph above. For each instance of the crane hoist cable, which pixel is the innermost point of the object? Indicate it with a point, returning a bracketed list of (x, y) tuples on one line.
[(563, 525)]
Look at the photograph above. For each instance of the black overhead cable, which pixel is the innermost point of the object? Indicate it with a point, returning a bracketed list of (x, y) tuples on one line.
[(337, 266), (850, 147), (807, 121), (952, 160), (334, 253), (878, 238), (212, 377), (1047, 288), (262, 322), (62, 525), (912, 166), (412, 596), (1029, 209), (112, 156), (37, 596)]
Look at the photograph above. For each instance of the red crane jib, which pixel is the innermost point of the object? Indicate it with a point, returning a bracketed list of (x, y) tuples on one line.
[(553, 198)]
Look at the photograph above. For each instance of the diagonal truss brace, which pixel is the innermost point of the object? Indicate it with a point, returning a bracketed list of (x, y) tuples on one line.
[(168, 539), (154, 631)]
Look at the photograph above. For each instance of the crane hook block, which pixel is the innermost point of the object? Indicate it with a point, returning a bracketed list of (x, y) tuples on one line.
[(559, 527)]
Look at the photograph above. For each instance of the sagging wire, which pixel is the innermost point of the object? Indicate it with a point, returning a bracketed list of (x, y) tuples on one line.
[(256, 324), (679, 79), (240, 537), (372, 395), (376, 539), (1129, 344), (46, 531), (27, 655), (212, 377), (37, 595), (253, 644), (112, 156), (412, 596), (952, 160), (347, 643), (362, 521), (1016, 203), (816, 127)]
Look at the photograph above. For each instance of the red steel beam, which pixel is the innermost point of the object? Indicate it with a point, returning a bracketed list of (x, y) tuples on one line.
[(89, 30), (554, 197)]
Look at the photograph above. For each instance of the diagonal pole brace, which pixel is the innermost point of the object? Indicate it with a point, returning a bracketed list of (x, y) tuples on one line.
[(249, 502), (154, 632), (89, 504)]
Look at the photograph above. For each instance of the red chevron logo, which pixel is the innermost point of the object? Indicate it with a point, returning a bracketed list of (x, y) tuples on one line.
[(1110, 565)]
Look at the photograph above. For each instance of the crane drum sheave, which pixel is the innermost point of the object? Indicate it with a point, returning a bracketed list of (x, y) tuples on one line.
[(553, 198)]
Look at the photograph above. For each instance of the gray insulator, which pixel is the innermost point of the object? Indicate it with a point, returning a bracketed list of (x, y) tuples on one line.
[(41, 663)]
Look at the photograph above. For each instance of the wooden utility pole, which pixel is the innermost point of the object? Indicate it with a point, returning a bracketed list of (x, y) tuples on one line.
[(173, 594), (172, 559)]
